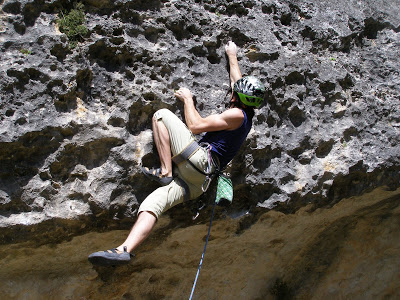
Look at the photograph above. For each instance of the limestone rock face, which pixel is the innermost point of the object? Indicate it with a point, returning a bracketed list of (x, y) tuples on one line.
[(75, 123)]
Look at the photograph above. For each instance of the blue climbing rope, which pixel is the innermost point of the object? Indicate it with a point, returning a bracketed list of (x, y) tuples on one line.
[(204, 252)]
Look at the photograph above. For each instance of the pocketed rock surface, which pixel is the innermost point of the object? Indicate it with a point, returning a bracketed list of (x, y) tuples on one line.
[(75, 124)]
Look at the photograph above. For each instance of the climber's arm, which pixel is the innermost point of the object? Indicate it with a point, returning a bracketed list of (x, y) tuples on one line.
[(234, 70)]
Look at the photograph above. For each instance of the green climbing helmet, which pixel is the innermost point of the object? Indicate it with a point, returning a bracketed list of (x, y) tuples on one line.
[(250, 91)]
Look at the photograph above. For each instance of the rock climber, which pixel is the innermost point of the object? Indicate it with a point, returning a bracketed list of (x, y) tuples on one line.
[(193, 161)]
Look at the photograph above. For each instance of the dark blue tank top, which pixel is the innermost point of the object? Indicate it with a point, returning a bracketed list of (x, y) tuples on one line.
[(226, 143)]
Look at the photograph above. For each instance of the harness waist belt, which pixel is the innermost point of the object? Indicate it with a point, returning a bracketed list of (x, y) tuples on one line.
[(189, 151), (186, 153)]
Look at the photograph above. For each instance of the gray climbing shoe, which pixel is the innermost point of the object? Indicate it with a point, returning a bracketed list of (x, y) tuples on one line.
[(155, 175), (110, 257)]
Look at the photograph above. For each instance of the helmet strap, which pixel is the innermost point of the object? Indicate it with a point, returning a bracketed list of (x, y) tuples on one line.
[(234, 101)]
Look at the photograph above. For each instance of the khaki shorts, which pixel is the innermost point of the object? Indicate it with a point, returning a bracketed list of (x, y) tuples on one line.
[(172, 194)]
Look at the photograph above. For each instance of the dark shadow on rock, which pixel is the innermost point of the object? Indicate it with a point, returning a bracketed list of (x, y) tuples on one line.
[(141, 113), (90, 155), (20, 160), (323, 148), (309, 267), (359, 181)]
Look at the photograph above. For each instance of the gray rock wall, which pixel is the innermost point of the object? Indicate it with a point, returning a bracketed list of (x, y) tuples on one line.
[(75, 123)]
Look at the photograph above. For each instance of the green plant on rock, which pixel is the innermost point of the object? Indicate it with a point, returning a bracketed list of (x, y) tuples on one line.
[(25, 51), (73, 24)]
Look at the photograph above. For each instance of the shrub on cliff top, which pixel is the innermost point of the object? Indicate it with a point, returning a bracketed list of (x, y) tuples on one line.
[(73, 24)]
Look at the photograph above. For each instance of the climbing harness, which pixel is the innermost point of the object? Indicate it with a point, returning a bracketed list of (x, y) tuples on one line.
[(208, 171), (213, 161)]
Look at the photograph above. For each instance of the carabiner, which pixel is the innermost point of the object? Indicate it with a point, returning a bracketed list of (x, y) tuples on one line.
[(206, 184)]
